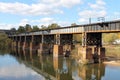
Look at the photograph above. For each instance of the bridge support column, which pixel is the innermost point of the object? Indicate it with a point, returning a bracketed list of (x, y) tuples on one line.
[(56, 67), (43, 49), (19, 44), (63, 44), (91, 50), (40, 50), (31, 43), (24, 45), (18, 41), (31, 46), (26, 42), (101, 53), (57, 49), (46, 45), (14, 44), (41, 46), (85, 54)]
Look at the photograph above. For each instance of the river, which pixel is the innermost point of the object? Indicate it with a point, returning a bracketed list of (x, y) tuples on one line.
[(28, 65)]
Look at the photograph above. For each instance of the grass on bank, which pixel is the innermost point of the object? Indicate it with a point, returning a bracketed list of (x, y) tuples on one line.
[(113, 50), (5, 42)]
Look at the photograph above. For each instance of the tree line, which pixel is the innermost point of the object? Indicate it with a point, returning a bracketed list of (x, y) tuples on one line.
[(5, 42), (29, 28)]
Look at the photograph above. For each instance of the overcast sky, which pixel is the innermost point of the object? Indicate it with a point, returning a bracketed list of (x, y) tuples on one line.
[(14, 13)]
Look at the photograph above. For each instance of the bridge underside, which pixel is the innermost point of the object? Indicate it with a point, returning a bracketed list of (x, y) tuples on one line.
[(62, 44), (94, 39)]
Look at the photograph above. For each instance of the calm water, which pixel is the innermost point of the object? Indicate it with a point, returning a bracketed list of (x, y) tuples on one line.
[(26, 65)]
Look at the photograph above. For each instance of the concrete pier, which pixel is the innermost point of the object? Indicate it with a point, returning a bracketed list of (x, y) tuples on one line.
[(86, 54), (58, 50)]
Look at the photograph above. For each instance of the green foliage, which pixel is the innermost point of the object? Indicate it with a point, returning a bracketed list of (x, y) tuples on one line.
[(21, 29), (53, 25), (28, 28), (113, 50), (43, 27), (73, 24), (77, 38), (109, 37), (13, 29), (4, 41), (35, 28)]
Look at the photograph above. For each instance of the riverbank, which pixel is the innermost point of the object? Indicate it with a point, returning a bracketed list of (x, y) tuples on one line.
[(112, 54), (112, 51), (113, 63)]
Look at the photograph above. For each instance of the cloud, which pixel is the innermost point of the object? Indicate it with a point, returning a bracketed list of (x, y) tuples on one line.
[(92, 13), (6, 26), (44, 7), (94, 10), (23, 22), (44, 21), (47, 21), (100, 4), (64, 23), (82, 20), (18, 71), (14, 7), (62, 3), (25, 9), (70, 3)]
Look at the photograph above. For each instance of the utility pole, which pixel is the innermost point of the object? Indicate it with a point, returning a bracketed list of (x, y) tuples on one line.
[(89, 20)]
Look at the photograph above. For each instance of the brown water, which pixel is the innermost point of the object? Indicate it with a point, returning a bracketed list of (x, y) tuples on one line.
[(28, 65)]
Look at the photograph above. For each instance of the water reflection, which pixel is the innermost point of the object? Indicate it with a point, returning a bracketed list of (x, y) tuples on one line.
[(10, 69), (61, 68)]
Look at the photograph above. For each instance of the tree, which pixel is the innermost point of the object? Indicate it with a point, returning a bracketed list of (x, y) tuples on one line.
[(109, 38), (21, 29), (13, 29), (73, 24), (35, 28), (53, 25), (28, 28), (43, 27), (118, 35), (5, 42), (77, 38)]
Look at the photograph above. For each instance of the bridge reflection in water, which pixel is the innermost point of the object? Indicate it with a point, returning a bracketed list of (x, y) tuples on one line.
[(59, 68)]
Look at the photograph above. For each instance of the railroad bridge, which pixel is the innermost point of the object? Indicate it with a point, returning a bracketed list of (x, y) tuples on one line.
[(60, 40)]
